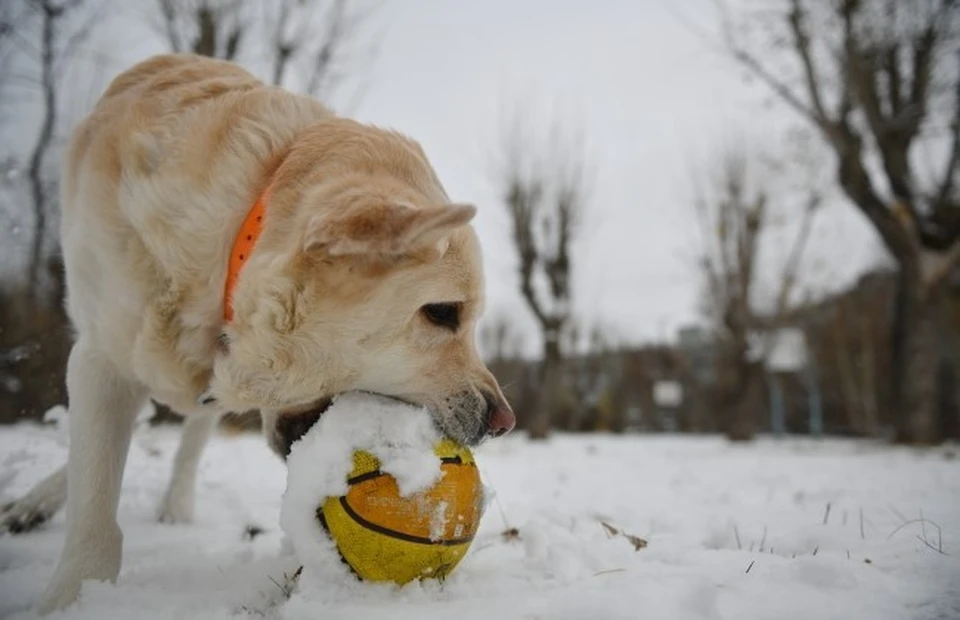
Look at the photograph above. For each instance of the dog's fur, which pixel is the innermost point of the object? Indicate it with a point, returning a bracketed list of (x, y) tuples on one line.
[(365, 277)]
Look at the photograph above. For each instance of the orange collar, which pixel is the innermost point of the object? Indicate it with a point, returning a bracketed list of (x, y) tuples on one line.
[(242, 249)]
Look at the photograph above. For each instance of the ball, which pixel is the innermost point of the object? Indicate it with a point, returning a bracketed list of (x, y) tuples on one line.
[(383, 536)]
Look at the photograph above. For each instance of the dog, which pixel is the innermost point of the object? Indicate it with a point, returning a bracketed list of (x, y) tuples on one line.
[(231, 246)]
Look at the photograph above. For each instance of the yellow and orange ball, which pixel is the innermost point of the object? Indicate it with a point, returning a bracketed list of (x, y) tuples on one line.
[(384, 536)]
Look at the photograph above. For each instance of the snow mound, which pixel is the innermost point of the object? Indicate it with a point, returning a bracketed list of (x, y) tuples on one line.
[(401, 436)]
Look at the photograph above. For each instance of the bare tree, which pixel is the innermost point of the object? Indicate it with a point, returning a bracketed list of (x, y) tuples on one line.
[(880, 83), (308, 45), (41, 44), (733, 215), (211, 28), (38, 40), (544, 189)]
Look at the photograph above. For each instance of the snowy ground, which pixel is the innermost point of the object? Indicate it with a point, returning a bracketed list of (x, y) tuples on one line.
[(788, 529)]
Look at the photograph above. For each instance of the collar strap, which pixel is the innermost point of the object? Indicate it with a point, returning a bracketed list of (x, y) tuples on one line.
[(243, 246)]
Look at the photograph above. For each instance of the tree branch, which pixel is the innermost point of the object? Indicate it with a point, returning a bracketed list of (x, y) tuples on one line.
[(923, 54), (946, 267), (711, 252), (796, 18), (168, 11), (282, 48), (81, 33), (815, 112), (12, 24), (952, 169), (780, 88), (325, 55), (523, 202), (791, 268), (891, 68), (207, 22)]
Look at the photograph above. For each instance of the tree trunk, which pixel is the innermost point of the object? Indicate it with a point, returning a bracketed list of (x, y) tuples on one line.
[(35, 171), (550, 385), (917, 356), (871, 408), (735, 375), (743, 408), (847, 377), (949, 403)]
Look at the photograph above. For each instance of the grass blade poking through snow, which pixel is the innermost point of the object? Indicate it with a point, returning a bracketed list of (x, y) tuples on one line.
[(637, 542)]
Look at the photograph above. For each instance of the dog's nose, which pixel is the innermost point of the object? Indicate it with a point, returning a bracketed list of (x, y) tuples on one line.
[(499, 416)]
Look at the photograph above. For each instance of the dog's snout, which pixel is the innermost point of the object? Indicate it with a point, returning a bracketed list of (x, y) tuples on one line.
[(499, 417)]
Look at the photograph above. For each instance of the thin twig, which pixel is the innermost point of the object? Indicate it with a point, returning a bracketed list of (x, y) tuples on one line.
[(862, 535), (897, 513), (911, 522), (503, 514), (609, 571), (927, 543), (749, 567), (277, 583), (923, 528), (826, 514), (736, 533)]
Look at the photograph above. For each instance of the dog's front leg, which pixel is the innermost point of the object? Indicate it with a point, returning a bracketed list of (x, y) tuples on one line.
[(103, 407), (177, 505)]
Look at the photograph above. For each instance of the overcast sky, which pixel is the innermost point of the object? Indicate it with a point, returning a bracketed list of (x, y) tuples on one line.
[(652, 99)]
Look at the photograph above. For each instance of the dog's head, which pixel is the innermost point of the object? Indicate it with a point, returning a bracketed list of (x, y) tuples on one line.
[(368, 290)]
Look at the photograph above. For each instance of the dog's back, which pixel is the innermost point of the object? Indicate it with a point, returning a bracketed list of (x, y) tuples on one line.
[(156, 180)]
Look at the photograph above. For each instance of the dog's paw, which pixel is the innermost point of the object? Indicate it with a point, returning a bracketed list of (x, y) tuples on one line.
[(95, 558), (59, 595), (23, 516), (36, 507), (176, 508)]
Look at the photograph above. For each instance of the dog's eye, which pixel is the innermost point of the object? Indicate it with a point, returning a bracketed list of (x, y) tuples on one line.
[(443, 315)]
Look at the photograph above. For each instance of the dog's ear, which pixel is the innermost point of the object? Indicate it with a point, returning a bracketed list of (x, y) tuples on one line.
[(385, 230)]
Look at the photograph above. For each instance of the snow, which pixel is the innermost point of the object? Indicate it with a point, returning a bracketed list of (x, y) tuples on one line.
[(399, 435), (438, 522), (788, 529)]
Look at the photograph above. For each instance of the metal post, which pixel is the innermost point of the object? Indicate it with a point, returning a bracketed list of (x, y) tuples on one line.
[(777, 424), (814, 402)]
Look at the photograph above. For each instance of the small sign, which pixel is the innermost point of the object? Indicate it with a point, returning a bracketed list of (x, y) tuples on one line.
[(667, 393)]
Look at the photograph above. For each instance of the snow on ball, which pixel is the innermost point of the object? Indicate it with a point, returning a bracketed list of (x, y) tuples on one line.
[(372, 484)]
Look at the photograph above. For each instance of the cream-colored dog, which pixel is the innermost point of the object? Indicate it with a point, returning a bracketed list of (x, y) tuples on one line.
[(361, 276)]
